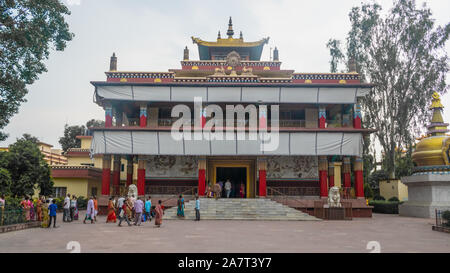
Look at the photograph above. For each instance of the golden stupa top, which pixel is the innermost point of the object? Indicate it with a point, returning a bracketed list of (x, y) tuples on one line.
[(432, 150)]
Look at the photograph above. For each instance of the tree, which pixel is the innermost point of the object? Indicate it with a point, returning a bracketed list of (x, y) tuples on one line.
[(27, 167), (28, 30), (95, 123), (5, 181), (403, 54), (69, 139)]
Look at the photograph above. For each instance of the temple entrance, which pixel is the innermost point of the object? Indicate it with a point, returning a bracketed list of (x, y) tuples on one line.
[(239, 170), (236, 175)]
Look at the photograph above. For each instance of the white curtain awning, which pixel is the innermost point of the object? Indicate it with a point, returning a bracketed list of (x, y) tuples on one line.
[(162, 143), (316, 95)]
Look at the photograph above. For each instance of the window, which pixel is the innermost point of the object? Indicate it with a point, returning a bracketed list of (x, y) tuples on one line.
[(59, 191), (122, 167), (94, 191)]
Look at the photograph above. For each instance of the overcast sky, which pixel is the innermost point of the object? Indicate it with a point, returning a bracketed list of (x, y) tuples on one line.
[(150, 36)]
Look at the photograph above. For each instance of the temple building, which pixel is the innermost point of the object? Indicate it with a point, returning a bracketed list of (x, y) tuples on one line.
[(316, 116)]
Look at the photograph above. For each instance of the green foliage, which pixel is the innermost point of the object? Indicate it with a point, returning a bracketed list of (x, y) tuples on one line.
[(28, 31), (446, 217), (27, 167), (375, 178), (388, 207), (379, 197), (393, 199), (368, 193), (12, 203), (402, 52), (95, 123), (5, 181), (82, 202), (69, 139), (59, 201)]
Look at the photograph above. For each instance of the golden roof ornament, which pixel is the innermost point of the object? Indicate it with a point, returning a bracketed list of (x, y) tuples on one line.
[(432, 152)]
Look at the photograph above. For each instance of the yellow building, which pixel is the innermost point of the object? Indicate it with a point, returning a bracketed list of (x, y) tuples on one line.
[(394, 188), (82, 176), (52, 156)]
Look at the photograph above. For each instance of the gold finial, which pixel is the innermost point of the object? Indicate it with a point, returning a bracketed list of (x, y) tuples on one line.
[(241, 36), (436, 101), (218, 35)]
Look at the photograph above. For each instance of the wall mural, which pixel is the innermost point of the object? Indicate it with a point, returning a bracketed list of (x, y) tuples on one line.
[(172, 166), (292, 167)]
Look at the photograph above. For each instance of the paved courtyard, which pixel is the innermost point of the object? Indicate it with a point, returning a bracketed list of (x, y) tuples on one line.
[(394, 233)]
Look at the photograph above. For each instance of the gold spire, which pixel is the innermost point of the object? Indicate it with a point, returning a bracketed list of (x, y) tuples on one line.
[(437, 126)]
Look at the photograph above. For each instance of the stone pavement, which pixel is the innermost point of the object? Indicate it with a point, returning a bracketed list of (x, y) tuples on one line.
[(394, 233)]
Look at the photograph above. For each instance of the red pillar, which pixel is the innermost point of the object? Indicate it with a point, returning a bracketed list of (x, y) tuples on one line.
[(108, 116), (359, 179), (323, 176), (201, 182), (346, 171), (330, 175), (143, 116), (116, 174), (129, 170), (141, 177), (201, 176), (262, 183), (106, 174)]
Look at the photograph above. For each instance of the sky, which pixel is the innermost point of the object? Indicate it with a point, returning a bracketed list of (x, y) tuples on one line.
[(149, 35)]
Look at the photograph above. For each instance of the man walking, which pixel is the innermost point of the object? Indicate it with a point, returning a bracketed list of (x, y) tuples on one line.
[(52, 213), (138, 207), (197, 208), (228, 188), (66, 206), (148, 207), (90, 211), (120, 202)]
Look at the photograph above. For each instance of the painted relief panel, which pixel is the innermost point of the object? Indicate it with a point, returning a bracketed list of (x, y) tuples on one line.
[(172, 166), (279, 167)]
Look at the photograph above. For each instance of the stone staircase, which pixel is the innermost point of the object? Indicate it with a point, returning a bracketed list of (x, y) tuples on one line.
[(240, 209)]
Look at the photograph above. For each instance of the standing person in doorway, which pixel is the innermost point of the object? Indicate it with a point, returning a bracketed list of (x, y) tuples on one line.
[(159, 214), (197, 208), (242, 191), (148, 208), (138, 208), (52, 213), (228, 188)]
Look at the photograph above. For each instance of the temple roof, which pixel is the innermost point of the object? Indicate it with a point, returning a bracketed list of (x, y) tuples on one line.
[(208, 49)]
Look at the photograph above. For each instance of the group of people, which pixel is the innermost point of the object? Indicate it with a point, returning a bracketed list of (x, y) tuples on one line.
[(216, 190), (127, 209), (44, 210)]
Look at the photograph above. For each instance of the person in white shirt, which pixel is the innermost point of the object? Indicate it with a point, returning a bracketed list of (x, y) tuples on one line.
[(228, 188), (120, 203), (66, 206)]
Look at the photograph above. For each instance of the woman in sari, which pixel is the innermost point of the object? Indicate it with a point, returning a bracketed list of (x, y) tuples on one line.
[(45, 214), (74, 207), (26, 208), (31, 204), (111, 212), (39, 209), (129, 208), (242, 191), (180, 204), (159, 214)]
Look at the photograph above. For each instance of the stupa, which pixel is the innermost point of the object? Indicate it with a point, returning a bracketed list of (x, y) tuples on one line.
[(429, 186)]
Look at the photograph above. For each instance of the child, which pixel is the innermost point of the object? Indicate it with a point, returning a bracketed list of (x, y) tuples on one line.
[(52, 213)]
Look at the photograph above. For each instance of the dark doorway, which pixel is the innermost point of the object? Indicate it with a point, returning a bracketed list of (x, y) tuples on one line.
[(236, 175)]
